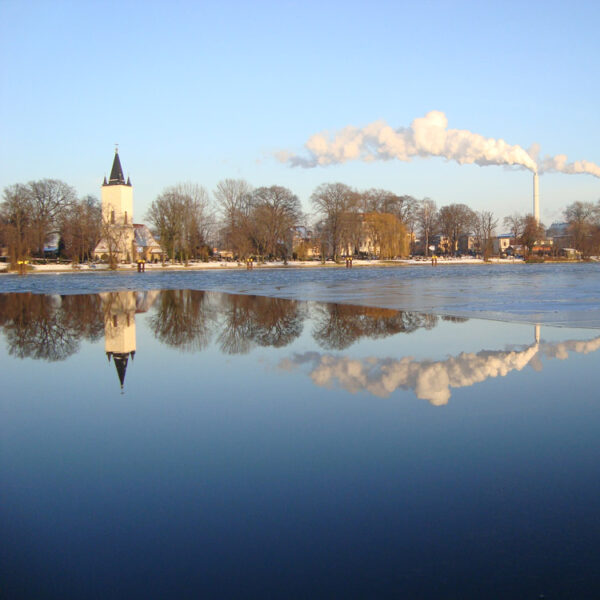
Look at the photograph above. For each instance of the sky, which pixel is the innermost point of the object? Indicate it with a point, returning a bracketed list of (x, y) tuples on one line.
[(203, 91)]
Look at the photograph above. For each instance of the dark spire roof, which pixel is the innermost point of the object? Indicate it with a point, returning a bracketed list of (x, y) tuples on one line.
[(116, 173), (121, 365)]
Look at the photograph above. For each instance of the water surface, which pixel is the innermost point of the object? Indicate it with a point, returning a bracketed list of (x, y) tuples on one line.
[(555, 294), (186, 443)]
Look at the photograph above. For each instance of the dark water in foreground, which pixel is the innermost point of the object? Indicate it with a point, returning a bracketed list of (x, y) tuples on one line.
[(185, 444)]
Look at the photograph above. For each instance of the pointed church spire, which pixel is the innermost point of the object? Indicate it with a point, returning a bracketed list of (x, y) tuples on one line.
[(120, 361), (105, 182), (128, 181), (116, 173)]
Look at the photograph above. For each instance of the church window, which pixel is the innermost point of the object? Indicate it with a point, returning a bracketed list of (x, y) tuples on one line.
[(112, 217), (125, 221)]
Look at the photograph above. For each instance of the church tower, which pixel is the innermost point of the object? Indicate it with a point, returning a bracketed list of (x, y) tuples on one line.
[(117, 214), (119, 329)]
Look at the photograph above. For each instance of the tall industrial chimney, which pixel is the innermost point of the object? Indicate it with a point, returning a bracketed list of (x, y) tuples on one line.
[(536, 198)]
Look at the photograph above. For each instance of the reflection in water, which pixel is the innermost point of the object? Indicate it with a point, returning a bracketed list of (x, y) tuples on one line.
[(183, 319), (119, 325), (339, 325), (430, 380), (51, 327), (258, 320)]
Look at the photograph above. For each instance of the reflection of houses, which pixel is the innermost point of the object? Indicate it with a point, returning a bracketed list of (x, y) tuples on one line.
[(122, 240), (120, 309)]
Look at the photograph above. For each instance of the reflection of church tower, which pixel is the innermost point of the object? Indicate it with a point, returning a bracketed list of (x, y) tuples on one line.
[(119, 329), (117, 213)]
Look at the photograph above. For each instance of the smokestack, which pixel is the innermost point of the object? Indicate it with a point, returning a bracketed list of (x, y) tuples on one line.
[(536, 198)]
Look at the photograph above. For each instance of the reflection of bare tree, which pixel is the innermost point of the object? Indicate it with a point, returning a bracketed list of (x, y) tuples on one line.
[(48, 327), (338, 325), (258, 320), (277, 322), (83, 314), (182, 319), (237, 330)]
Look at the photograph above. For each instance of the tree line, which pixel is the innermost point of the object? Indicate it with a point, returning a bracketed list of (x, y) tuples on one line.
[(261, 221), (32, 214)]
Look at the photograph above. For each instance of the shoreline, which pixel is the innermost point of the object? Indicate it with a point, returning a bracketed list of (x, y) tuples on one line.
[(236, 266)]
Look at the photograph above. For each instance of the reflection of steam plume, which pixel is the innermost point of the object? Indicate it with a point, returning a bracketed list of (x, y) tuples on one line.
[(426, 136), (561, 350), (430, 380)]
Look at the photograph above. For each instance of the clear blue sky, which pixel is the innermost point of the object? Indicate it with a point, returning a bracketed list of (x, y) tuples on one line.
[(198, 92)]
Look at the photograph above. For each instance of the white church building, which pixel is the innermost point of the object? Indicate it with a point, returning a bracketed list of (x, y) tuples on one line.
[(123, 241)]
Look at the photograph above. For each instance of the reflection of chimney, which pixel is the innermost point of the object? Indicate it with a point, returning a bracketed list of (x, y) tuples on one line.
[(537, 333), (536, 198)]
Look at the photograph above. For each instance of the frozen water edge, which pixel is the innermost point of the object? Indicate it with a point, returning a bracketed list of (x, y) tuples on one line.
[(551, 294)]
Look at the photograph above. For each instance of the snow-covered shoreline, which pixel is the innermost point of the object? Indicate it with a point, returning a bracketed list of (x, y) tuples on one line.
[(233, 265)]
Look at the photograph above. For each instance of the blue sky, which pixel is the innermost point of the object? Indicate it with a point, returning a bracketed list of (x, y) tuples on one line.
[(203, 91)]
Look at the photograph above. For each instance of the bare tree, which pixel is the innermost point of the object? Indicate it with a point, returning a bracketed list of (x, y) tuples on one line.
[(427, 218), (15, 218), (234, 200), (455, 220), (515, 224), (115, 239), (332, 201), (485, 223), (180, 216), (275, 211), (81, 228), (50, 199), (532, 232), (582, 219)]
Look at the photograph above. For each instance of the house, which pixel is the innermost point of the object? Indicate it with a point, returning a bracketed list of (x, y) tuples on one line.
[(501, 243), (570, 253), (302, 243), (146, 246), (559, 234)]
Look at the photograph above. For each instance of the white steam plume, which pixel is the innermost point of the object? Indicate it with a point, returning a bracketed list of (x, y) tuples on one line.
[(559, 164), (426, 136)]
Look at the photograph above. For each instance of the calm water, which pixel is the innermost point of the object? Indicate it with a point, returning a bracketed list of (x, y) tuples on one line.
[(185, 444), (547, 293)]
